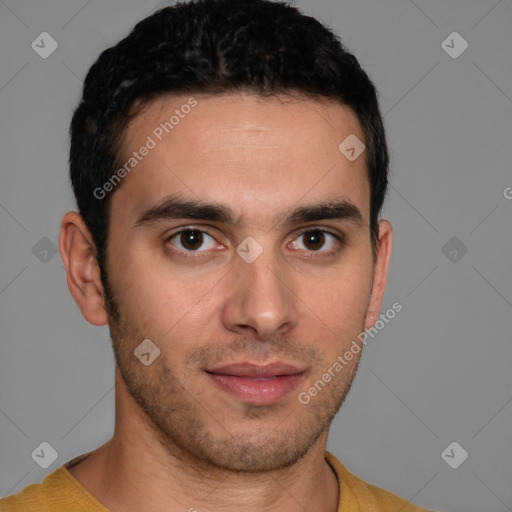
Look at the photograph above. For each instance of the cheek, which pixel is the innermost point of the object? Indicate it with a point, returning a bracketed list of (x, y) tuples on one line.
[(341, 297), (157, 300)]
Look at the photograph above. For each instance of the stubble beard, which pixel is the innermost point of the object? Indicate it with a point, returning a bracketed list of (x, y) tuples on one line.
[(190, 430)]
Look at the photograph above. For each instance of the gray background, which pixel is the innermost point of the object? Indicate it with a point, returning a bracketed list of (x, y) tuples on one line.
[(439, 372)]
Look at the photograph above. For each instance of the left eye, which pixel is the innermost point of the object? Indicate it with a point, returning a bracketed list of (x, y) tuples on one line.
[(315, 239)]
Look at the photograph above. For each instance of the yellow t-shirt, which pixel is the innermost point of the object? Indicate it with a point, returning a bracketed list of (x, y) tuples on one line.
[(62, 492)]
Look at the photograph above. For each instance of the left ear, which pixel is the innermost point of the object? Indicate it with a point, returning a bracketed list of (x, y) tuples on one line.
[(380, 272)]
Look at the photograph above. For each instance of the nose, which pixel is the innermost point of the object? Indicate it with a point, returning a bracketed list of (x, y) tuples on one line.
[(262, 303)]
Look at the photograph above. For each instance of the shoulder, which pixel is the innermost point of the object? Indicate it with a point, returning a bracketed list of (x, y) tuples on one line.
[(58, 492), (368, 497), (35, 496)]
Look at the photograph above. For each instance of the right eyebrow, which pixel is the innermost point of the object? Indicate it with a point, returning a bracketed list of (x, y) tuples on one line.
[(174, 208)]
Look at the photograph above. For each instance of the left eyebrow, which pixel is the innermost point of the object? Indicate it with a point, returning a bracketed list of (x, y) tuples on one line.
[(331, 210), (176, 208)]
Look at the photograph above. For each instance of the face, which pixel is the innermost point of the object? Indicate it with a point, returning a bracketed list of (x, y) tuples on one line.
[(240, 246)]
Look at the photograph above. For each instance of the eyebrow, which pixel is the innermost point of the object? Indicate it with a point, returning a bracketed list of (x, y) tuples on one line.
[(176, 208)]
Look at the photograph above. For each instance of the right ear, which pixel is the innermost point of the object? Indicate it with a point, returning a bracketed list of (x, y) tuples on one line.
[(82, 271)]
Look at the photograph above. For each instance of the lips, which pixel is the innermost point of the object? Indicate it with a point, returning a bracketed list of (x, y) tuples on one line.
[(257, 370), (257, 384)]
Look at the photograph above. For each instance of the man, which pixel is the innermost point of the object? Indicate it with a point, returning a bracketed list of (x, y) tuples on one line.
[(229, 163)]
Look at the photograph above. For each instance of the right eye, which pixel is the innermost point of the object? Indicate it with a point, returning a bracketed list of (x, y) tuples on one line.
[(191, 240)]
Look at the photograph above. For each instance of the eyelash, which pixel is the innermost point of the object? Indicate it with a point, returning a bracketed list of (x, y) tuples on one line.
[(192, 254)]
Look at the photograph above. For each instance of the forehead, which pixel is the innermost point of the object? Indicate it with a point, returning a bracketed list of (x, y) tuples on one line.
[(244, 151)]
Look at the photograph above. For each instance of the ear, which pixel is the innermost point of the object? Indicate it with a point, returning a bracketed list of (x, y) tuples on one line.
[(82, 271), (380, 272)]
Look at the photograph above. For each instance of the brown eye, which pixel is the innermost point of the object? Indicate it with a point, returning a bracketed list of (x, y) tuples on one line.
[(319, 241), (191, 240), (314, 240)]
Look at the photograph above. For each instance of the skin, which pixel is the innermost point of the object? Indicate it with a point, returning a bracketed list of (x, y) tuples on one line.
[(175, 429)]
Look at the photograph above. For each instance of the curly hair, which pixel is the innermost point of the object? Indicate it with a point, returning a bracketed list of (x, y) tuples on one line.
[(214, 47)]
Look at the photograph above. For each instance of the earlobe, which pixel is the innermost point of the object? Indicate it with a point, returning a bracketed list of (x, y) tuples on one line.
[(82, 271), (380, 272)]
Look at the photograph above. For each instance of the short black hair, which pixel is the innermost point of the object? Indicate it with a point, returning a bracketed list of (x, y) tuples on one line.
[(214, 47)]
